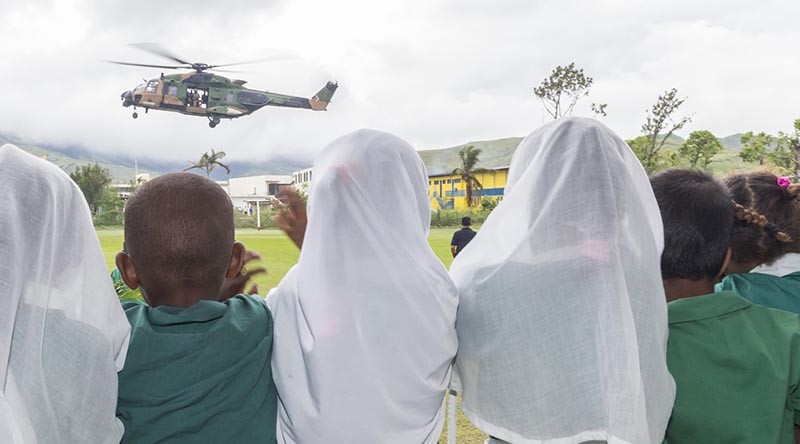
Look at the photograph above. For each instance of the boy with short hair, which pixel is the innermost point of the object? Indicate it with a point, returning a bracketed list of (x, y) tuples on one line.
[(736, 365), (198, 369)]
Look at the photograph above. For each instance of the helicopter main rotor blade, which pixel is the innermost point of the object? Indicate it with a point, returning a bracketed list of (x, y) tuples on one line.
[(148, 66), (234, 71), (155, 48), (262, 60)]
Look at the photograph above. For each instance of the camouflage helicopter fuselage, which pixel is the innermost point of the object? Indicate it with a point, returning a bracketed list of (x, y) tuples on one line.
[(215, 97)]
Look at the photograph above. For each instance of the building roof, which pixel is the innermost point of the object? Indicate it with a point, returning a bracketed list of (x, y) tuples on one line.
[(282, 178)]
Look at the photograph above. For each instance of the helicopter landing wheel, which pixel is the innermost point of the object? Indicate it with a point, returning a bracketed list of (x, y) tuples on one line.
[(135, 114), (213, 122)]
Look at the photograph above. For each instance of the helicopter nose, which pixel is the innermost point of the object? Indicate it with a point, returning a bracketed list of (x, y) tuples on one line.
[(126, 98)]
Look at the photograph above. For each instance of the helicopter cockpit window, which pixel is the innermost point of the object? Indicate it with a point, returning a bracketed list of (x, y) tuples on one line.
[(151, 87), (172, 90)]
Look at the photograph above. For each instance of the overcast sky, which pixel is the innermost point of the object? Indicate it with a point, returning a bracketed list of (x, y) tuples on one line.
[(437, 73)]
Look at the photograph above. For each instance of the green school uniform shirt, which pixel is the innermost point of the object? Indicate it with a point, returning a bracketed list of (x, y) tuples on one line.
[(781, 292), (199, 374), (737, 370)]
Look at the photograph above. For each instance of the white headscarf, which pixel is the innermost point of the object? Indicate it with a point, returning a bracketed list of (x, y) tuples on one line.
[(63, 334), (562, 323), (365, 322)]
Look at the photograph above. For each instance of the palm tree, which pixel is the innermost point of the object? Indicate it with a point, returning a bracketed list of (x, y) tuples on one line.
[(468, 171), (208, 162)]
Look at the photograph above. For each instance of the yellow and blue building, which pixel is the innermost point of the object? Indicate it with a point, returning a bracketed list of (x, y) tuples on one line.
[(447, 190)]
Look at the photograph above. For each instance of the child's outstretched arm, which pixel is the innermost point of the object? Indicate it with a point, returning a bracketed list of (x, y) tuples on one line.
[(236, 285), (292, 218)]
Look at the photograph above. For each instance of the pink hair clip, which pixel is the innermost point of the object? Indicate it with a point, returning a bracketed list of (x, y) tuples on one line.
[(784, 182)]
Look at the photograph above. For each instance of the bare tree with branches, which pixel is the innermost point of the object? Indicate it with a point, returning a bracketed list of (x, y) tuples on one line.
[(561, 91)]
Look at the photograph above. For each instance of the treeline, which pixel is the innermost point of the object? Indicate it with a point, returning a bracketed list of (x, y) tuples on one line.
[(566, 85), (104, 201)]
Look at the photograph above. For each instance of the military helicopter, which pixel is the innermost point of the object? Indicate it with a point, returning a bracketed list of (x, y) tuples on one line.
[(202, 93)]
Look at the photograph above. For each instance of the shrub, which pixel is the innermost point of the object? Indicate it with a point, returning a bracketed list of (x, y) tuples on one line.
[(488, 204), (452, 218)]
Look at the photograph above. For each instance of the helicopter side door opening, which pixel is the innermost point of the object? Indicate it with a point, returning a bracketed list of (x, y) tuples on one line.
[(196, 100), (173, 96)]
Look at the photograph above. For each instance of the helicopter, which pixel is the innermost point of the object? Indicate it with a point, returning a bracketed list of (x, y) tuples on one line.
[(206, 94)]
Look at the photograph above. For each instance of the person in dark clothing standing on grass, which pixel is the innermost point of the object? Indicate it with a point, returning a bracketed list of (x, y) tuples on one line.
[(462, 237)]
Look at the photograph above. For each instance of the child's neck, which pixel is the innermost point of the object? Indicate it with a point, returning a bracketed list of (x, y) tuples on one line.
[(182, 298), (743, 267), (676, 288)]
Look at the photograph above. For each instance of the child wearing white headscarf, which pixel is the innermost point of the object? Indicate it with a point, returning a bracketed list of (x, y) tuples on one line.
[(365, 322), (562, 322), (63, 335)]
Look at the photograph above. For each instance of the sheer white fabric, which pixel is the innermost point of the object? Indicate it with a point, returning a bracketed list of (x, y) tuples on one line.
[(787, 264), (63, 334), (365, 322), (562, 321)]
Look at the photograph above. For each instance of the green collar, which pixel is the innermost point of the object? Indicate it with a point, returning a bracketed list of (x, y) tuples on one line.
[(706, 306), (202, 311)]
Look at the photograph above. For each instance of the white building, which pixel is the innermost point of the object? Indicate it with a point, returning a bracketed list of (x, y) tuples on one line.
[(302, 179), (247, 193), (125, 190)]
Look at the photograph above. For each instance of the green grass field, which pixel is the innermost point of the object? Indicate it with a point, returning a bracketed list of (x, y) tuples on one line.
[(279, 255)]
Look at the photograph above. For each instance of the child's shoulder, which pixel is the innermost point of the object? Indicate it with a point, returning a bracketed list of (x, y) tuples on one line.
[(247, 305), (134, 307), (247, 301), (785, 321)]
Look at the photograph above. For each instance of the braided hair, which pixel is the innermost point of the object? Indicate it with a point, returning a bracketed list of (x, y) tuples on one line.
[(767, 218)]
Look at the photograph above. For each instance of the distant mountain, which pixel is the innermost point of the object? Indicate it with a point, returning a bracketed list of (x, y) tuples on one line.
[(494, 154), (122, 167), (733, 142)]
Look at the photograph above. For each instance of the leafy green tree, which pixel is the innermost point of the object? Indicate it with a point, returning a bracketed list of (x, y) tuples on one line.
[(468, 171), (700, 147), (782, 155), (110, 210), (787, 151), (754, 147), (794, 141), (562, 90), (208, 162), (659, 125), (662, 160), (92, 180), (599, 109)]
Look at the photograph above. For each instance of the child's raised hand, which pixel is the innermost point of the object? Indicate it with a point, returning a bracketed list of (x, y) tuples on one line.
[(292, 218), (236, 285)]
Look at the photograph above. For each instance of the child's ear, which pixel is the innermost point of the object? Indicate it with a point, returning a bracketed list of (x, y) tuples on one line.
[(237, 260), (127, 270), (724, 270)]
